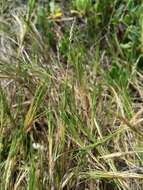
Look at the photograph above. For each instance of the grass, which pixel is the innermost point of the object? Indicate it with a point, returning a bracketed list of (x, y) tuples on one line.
[(71, 95)]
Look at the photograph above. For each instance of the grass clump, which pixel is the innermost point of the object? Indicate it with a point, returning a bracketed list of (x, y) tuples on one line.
[(71, 95)]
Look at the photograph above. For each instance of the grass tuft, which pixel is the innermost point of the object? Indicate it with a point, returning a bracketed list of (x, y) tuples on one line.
[(71, 95)]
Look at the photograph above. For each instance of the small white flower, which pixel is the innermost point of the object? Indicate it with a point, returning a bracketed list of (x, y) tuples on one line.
[(38, 146)]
